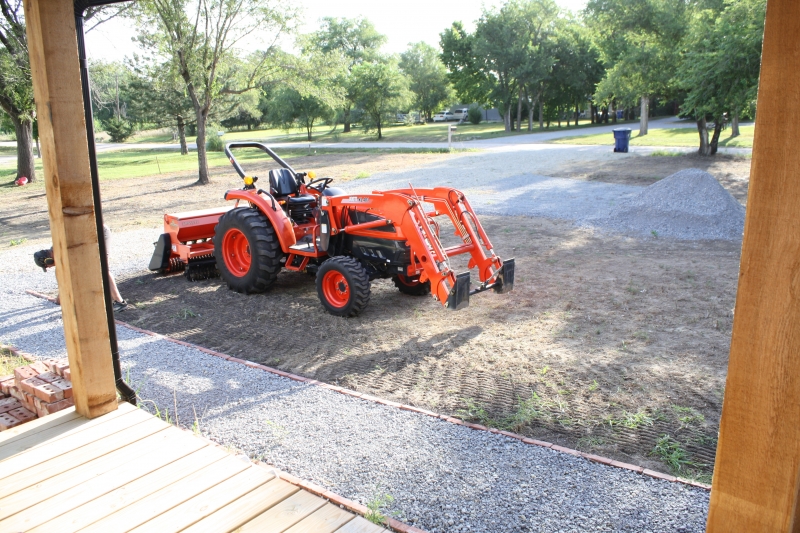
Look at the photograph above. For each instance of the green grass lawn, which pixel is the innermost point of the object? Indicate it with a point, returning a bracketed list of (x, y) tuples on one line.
[(667, 137), (433, 132), (139, 163)]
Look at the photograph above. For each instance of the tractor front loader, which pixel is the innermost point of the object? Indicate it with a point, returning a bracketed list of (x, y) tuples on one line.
[(344, 240)]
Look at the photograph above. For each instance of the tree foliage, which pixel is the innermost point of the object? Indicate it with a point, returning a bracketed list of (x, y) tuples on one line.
[(380, 89), (427, 77)]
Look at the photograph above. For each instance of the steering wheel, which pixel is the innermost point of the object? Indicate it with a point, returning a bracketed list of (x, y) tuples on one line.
[(323, 181)]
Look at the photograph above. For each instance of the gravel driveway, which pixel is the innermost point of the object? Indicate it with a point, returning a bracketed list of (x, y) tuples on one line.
[(443, 477)]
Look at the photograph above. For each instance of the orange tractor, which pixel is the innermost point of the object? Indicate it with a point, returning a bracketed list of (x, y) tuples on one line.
[(345, 240)]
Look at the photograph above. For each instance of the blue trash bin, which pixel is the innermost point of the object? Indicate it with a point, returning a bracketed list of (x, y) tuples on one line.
[(621, 138)]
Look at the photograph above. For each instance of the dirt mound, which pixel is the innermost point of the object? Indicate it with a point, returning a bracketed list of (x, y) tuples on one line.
[(690, 204)]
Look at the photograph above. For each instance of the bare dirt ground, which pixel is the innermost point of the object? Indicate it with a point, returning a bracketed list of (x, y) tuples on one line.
[(609, 344)]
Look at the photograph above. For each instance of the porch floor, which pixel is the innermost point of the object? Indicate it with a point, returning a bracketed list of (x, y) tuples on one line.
[(130, 471)]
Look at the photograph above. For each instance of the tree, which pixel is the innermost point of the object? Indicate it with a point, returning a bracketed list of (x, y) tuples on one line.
[(721, 66), (464, 71), (639, 42), (199, 37), (293, 108), (428, 77), (380, 89), (355, 39), (16, 84), (16, 87)]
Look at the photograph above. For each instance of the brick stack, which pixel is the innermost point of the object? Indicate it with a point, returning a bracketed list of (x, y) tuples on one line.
[(35, 390)]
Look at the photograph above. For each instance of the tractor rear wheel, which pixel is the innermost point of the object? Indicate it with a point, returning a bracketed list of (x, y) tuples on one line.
[(411, 285), (247, 250), (343, 286)]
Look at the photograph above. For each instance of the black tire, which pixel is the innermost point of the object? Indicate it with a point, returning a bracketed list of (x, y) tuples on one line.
[(411, 285), (350, 294), (263, 250)]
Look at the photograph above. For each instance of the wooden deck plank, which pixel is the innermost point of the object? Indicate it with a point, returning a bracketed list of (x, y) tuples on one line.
[(148, 455), (51, 434), (205, 503), (245, 508), (284, 515), (360, 524), (49, 450), (168, 497), (55, 485), (327, 519), (40, 424), (99, 508), (35, 473)]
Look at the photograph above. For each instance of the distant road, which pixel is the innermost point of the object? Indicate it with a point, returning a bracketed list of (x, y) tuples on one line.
[(510, 143)]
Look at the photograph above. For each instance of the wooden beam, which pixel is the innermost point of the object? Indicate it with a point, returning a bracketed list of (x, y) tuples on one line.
[(53, 49), (756, 478)]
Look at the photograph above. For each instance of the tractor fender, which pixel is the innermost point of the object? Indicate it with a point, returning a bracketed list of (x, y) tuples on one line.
[(280, 222)]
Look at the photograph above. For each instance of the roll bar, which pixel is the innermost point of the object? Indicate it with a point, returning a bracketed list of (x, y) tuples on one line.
[(262, 146)]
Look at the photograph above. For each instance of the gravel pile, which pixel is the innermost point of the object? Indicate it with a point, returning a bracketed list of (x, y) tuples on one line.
[(443, 478), (690, 204)]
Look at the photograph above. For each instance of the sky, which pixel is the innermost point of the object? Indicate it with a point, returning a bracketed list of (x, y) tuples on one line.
[(407, 22)]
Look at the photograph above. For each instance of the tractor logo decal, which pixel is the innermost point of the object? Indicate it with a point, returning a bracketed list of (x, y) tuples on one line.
[(357, 200)]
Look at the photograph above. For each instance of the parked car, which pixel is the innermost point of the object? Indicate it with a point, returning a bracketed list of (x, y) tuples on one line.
[(443, 116), (460, 114)]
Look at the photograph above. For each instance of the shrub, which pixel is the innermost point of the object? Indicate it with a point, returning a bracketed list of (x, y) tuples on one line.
[(118, 129), (213, 141), (474, 114)]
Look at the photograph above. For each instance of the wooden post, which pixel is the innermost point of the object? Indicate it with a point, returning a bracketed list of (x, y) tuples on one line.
[(757, 474), (53, 48)]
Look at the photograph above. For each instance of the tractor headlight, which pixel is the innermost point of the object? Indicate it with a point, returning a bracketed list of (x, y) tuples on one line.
[(248, 180)]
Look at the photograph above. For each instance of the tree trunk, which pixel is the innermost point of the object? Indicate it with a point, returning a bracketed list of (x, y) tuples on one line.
[(614, 111), (718, 124), (541, 112), (735, 123), (346, 119), (577, 113), (591, 112), (519, 110), (380, 134), (25, 161), (202, 157), (643, 122), (702, 130), (531, 104), (182, 135), (507, 117)]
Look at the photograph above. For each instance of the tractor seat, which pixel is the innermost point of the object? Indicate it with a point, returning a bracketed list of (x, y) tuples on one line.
[(284, 185)]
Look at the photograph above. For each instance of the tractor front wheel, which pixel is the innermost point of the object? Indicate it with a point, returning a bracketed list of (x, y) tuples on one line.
[(247, 250), (343, 286), (411, 285)]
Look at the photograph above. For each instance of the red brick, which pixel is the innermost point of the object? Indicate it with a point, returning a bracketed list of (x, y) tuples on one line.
[(597, 458), (23, 372), (48, 392), (658, 475), (65, 385), (8, 404), (48, 377), (27, 385), (512, 435), (29, 403), (538, 442), (570, 451), (54, 407), (627, 466), (16, 393), (5, 383), (22, 414), (67, 375), (7, 421), (39, 367), (61, 367), (50, 364)]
